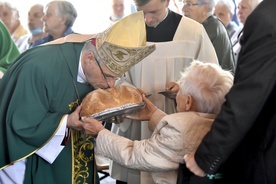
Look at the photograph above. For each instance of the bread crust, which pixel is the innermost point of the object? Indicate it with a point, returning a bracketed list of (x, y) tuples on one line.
[(101, 99)]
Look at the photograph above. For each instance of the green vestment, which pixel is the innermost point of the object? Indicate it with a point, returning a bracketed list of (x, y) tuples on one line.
[(8, 49), (35, 94)]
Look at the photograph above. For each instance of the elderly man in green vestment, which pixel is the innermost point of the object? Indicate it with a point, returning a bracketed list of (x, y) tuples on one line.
[(8, 49), (41, 139)]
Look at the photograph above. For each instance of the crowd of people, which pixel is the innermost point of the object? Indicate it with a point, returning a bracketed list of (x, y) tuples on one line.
[(217, 113)]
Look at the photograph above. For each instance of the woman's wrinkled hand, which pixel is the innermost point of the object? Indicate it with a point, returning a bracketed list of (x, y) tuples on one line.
[(172, 89), (192, 165), (146, 112)]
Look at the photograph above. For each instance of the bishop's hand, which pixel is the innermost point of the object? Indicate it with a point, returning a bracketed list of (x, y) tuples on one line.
[(92, 126), (73, 120)]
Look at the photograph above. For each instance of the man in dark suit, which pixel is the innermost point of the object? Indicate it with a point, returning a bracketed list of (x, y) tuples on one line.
[(242, 141)]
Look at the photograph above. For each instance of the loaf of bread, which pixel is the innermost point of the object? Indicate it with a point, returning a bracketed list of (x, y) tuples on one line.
[(102, 99)]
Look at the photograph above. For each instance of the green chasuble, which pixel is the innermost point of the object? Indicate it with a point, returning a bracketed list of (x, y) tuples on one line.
[(35, 94), (8, 49)]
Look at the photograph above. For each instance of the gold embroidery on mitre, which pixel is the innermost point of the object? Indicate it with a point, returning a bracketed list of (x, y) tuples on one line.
[(119, 55), (120, 59), (100, 38), (124, 44), (83, 154)]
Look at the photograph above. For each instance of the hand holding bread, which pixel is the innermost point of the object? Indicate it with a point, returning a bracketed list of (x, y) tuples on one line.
[(146, 112)]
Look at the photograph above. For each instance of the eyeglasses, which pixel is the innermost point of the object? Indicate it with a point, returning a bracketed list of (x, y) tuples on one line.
[(107, 78), (189, 4)]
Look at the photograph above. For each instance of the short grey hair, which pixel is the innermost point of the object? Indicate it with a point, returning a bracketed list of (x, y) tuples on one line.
[(89, 47), (66, 9), (254, 3), (211, 3), (229, 4), (10, 6)]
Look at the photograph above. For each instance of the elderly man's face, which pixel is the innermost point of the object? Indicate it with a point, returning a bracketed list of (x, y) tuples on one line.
[(193, 10), (34, 17), (154, 11), (244, 10), (10, 17), (98, 75), (222, 12), (118, 8)]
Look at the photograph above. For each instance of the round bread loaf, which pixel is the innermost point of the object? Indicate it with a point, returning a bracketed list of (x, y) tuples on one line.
[(101, 99)]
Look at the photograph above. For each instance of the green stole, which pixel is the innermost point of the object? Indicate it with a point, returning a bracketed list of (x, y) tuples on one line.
[(83, 163)]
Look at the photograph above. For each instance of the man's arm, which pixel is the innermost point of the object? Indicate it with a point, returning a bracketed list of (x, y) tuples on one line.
[(253, 85)]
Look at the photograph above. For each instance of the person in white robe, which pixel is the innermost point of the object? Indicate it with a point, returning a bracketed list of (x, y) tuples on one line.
[(190, 41)]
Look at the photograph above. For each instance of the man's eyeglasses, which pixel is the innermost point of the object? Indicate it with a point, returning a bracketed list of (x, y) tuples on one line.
[(107, 78), (189, 4)]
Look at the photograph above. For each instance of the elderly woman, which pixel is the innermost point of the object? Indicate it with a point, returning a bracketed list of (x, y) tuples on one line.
[(203, 87), (202, 12), (58, 20)]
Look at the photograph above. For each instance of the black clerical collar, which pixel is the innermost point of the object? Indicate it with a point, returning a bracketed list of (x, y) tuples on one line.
[(167, 13)]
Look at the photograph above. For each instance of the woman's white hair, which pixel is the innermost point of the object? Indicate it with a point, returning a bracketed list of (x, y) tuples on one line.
[(208, 84)]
